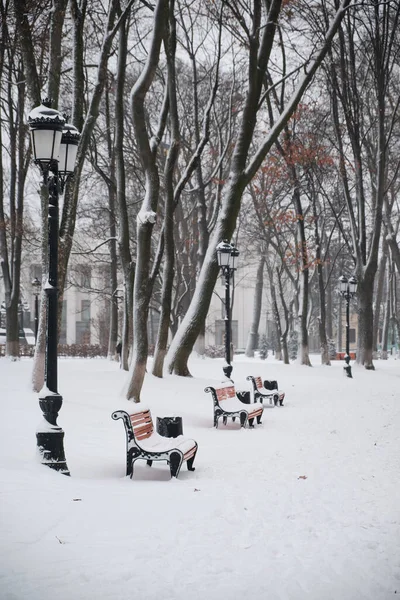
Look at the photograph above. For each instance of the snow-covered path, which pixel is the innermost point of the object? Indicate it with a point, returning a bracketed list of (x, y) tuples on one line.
[(304, 507)]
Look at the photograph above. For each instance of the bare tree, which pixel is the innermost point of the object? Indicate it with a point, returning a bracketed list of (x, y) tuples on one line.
[(259, 32), (147, 215)]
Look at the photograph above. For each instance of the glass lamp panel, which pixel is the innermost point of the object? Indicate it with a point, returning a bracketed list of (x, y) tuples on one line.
[(234, 258), (224, 254), (45, 144), (352, 285), (68, 149), (67, 158), (342, 284)]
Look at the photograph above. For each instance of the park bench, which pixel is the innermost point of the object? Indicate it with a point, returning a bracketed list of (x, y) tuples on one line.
[(227, 405), (142, 442), (267, 389)]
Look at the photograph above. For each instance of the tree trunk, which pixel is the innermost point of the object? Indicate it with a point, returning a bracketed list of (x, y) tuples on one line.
[(252, 342), (172, 158), (365, 322), (285, 331), (386, 320), (325, 358), (304, 277), (379, 293), (147, 214)]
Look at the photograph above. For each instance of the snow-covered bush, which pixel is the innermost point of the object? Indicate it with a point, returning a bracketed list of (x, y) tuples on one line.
[(293, 344), (263, 347)]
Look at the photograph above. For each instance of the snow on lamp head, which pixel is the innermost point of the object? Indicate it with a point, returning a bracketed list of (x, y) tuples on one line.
[(46, 126)]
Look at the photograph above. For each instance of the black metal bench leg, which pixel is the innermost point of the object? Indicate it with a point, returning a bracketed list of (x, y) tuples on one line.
[(225, 420), (149, 462), (259, 419), (190, 462), (251, 422), (175, 463), (243, 419)]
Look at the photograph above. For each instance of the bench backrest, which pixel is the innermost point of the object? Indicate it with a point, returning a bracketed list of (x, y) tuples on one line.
[(225, 393), (259, 383), (142, 424)]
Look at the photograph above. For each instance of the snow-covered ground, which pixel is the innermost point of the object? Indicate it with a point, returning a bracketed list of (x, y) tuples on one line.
[(305, 506)]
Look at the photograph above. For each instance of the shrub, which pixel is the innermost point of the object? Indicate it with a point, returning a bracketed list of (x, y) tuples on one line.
[(214, 351), (263, 347), (293, 345), (82, 350)]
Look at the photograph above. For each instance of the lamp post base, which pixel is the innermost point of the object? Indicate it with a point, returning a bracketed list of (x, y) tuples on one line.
[(50, 437), (51, 450), (347, 370)]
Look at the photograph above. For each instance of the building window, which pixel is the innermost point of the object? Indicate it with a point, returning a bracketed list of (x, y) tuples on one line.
[(83, 276), (352, 336), (82, 333), (85, 311)]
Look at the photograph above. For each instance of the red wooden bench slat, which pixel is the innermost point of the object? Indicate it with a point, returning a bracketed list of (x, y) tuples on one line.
[(189, 453), (259, 382), (225, 393), (139, 417)]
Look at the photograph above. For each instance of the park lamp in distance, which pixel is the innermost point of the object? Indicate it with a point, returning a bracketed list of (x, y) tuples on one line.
[(36, 285), (227, 255), (347, 286), (54, 142)]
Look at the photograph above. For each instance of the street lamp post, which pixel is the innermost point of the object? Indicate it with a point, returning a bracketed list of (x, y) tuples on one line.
[(36, 285), (227, 254), (54, 145), (347, 289)]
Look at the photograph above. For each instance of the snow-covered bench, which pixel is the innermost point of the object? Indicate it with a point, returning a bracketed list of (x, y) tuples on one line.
[(268, 390), (227, 404), (142, 442)]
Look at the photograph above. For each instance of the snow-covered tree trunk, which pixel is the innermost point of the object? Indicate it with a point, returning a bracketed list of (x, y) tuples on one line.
[(252, 342), (128, 266), (379, 293), (285, 330), (168, 230), (147, 214)]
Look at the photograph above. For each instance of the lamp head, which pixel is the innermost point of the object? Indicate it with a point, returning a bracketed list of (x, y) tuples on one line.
[(343, 284), (46, 125), (36, 285), (352, 285), (224, 250)]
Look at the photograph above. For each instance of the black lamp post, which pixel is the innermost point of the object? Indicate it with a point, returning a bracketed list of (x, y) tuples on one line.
[(347, 289), (36, 285), (227, 255), (54, 145)]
